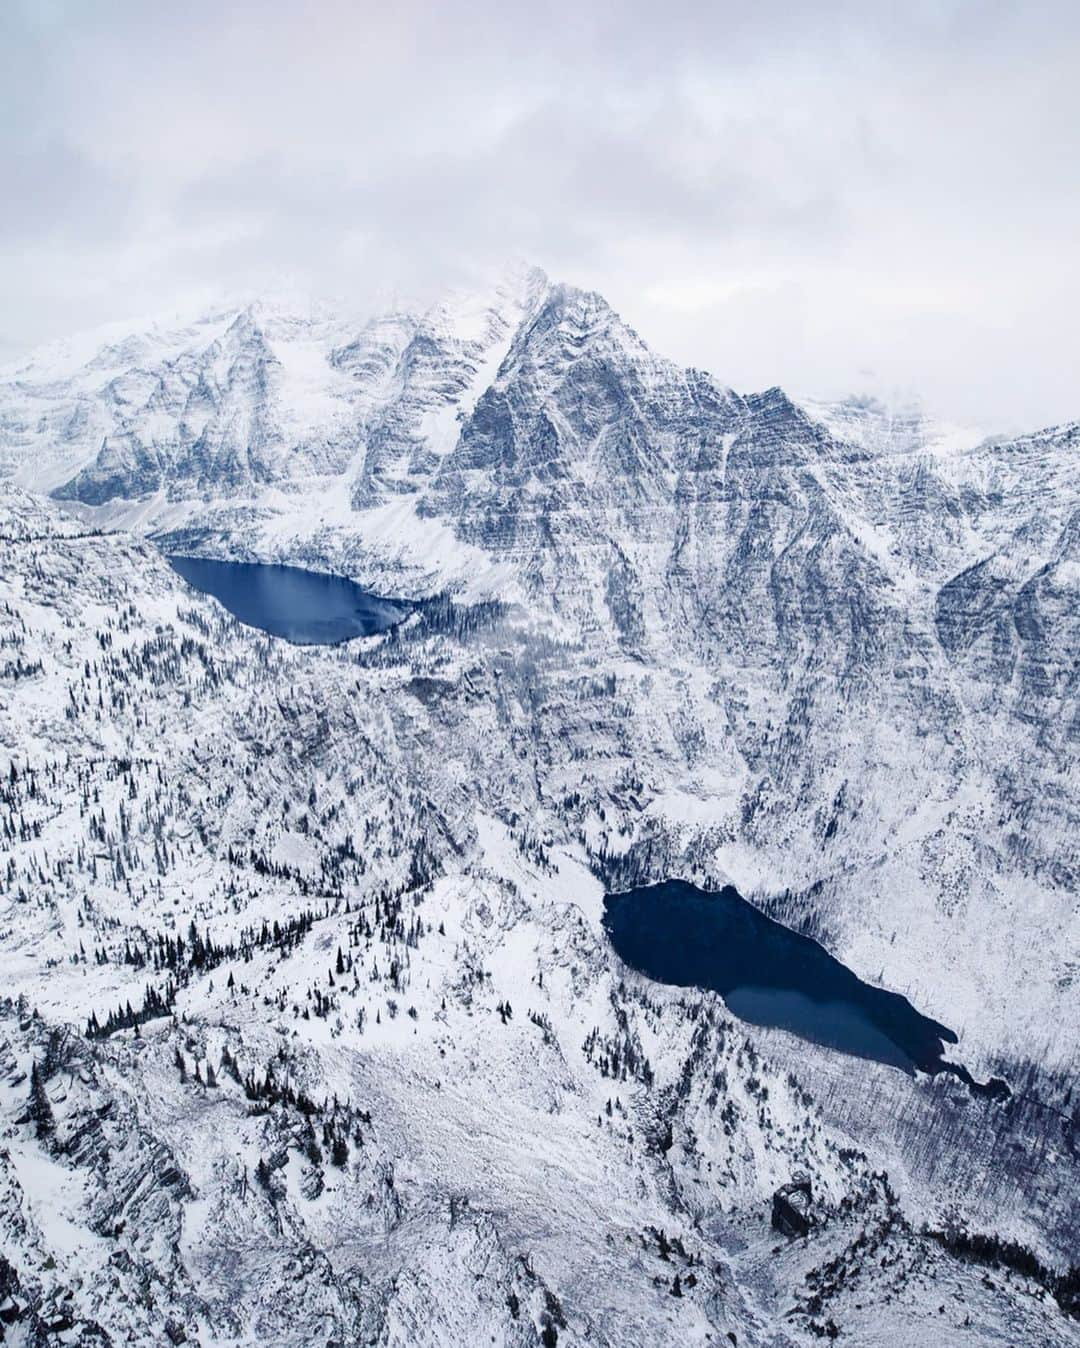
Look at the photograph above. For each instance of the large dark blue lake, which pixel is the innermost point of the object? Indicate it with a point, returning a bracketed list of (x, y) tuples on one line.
[(769, 975), (305, 607)]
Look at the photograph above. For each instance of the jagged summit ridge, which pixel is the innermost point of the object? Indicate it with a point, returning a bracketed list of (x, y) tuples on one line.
[(263, 395)]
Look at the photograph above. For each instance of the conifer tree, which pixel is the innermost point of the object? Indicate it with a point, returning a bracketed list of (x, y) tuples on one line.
[(40, 1113)]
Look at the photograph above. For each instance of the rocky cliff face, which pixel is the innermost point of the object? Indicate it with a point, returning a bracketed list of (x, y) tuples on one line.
[(819, 652)]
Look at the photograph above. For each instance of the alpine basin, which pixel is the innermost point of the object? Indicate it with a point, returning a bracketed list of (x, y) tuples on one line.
[(769, 975), (305, 607)]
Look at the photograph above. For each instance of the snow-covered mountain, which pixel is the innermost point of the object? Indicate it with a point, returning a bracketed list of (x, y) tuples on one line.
[(257, 397), (398, 1088)]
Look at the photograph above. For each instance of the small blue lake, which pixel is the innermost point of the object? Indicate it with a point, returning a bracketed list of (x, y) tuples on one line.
[(769, 975), (304, 607)]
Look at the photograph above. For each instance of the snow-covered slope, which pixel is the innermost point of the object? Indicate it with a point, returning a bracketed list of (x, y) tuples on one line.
[(822, 653)]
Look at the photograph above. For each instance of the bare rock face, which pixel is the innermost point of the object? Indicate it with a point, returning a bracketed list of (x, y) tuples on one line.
[(792, 1213)]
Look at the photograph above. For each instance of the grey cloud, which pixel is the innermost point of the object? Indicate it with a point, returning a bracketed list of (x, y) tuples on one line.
[(780, 192)]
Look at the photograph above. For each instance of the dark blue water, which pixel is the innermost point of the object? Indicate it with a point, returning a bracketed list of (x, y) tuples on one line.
[(302, 606), (769, 975)]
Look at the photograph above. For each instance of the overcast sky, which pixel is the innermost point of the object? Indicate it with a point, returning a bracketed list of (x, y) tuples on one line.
[(828, 195)]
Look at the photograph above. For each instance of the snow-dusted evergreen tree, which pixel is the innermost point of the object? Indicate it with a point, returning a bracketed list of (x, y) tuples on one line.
[(40, 1110)]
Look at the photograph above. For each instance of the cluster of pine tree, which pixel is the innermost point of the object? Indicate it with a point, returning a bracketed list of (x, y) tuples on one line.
[(994, 1252), (620, 1056), (199, 954), (155, 1004)]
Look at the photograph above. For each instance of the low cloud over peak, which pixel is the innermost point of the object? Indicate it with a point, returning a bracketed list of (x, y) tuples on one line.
[(781, 196)]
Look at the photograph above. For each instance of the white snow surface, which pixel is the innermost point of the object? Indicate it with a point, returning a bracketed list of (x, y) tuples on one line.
[(825, 654)]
